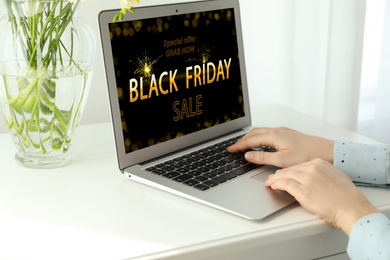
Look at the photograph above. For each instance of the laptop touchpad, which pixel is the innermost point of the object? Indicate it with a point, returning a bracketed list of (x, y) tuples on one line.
[(263, 176)]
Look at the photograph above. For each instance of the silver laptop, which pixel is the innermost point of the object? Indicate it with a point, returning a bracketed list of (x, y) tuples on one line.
[(179, 96)]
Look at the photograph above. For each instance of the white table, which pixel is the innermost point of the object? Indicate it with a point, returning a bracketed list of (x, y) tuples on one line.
[(88, 210)]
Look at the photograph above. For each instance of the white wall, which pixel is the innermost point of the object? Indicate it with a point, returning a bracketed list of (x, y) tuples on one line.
[(265, 31)]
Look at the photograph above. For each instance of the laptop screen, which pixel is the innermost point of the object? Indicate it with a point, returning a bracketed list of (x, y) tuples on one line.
[(176, 75)]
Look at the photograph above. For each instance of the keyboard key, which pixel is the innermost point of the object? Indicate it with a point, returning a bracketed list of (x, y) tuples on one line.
[(196, 158), (206, 153), (236, 156), (212, 166), (199, 164), (159, 172), (172, 175), (227, 160), (204, 169), (191, 167), (183, 178), (210, 175), (219, 180), (160, 165), (242, 161), (235, 164), (207, 161), (219, 171), (227, 168), (201, 178), (220, 163), (167, 168), (223, 178), (191, 182), (182, 170), (210, 183), (215, 151), (201, 187), (178, 165), (195, 173)]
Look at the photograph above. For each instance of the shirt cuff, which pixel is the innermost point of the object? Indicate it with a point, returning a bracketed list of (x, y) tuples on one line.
[(370, 238), (363, 163)]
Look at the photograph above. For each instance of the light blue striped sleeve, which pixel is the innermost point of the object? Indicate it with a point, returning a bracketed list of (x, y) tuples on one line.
[(367, 164), (370, 238)]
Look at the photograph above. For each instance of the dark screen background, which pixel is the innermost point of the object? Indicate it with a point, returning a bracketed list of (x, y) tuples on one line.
[(196, 39)]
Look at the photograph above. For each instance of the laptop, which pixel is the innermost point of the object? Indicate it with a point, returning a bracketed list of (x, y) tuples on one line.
[(178, 96)]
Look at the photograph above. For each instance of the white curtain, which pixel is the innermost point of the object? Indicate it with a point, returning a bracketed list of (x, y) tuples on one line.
[(374, 114), (381, 127), (306, 55)]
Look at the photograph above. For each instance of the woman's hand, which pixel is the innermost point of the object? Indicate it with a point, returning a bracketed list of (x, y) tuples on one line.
[(324, 191), (292, 147)]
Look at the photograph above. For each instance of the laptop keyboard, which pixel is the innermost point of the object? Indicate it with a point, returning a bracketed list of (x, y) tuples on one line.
[(207, 167)]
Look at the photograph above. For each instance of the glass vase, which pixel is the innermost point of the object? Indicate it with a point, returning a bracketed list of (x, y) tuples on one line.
[(46, 62)]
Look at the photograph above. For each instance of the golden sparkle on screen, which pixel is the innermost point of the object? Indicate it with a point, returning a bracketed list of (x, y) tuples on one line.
[(204, 54), (145, 67)]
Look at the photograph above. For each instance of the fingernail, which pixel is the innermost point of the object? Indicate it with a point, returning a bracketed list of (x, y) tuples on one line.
[(249, 156)]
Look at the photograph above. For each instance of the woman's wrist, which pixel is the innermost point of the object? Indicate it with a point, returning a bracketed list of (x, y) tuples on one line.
[(358, 209), (330, 152)]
